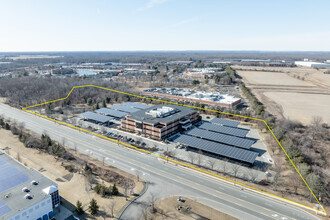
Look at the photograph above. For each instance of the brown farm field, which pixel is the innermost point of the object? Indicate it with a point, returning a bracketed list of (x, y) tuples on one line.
[(296, 93)]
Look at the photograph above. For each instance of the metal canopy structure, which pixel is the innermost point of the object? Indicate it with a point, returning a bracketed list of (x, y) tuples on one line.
[(136, 105), (221, 121), (111, 112), (222, 138), (239, 132), (217, 148), (96, 117), (125, 108)]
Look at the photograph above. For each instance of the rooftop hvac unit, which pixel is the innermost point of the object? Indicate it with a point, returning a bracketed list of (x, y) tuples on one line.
[(33, 182), (28, 196), (25, 189)]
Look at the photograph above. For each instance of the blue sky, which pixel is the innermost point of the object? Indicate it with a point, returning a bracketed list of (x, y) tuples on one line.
[(114, 25)]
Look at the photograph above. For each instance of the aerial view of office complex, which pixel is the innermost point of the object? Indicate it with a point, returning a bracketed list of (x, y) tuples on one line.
[(162, 109)]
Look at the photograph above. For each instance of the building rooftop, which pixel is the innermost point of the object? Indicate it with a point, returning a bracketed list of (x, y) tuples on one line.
[(20, 186), (196, 95), (161, 113), (96, 117)]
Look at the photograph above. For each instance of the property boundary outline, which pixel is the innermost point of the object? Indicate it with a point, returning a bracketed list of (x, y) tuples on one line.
[(178, 162)]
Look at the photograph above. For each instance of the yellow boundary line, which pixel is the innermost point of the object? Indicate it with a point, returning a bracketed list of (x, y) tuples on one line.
[(177, 162)]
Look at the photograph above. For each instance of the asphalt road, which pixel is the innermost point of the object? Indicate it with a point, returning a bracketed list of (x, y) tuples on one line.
[(165, 179)]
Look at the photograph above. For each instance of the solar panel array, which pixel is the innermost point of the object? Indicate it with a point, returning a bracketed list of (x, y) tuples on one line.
[(10, 176), (3, 208), (239, 132), (217, 148), (136, 105), (221, 121), (222, 138), (125, 108), (111, 112), (96, 117)]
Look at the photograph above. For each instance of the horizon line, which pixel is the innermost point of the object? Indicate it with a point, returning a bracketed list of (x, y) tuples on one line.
[(153, 51)]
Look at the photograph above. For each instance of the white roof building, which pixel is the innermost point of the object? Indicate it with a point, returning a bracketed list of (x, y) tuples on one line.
[(25, 193), (312, 64)]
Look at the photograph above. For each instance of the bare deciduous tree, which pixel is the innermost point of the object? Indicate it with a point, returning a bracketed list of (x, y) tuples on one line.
[(126, 187), (199, 157), (191, 157), (152, 199), (235, 168), (277, 175), (63, 141), (253, 175), (224, 165), (138, 174), (112, 208), (211, 163), (295, 181), (18, 157), (317, 121), (21, 127)]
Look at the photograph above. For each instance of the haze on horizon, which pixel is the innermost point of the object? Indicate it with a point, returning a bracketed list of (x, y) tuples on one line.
[(109, 25)]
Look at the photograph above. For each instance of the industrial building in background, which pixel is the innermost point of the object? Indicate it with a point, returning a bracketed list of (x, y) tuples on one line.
[(209, 98), (160, 121), (202, 73), (25, 193), (312, 64)]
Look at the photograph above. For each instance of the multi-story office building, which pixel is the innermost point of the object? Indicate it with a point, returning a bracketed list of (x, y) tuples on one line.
[(161, 121)]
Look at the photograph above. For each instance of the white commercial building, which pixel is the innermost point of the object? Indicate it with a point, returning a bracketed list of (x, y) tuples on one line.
[(25, 193), (312, 64)]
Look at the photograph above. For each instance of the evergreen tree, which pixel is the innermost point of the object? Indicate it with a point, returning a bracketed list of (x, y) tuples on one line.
[(114, 190), (89, 101), (79, 208), (93, 207)]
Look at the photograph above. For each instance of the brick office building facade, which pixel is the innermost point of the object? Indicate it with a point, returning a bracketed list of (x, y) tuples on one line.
[(161, 121)]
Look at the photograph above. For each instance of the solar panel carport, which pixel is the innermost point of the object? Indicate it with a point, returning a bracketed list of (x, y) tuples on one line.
[(221, 121), (218, 149), (136, 105), (239, 132), (123, 108), (222, 138), (96, 117), (111, 112)]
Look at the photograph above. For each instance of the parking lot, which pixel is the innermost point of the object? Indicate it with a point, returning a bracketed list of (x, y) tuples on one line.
[(257, 173)]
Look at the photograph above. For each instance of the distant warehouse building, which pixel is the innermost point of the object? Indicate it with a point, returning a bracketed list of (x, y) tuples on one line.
[(25, 193), (161, 121), (312, 64), (209, 98)]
